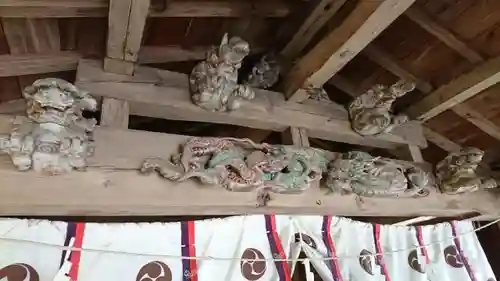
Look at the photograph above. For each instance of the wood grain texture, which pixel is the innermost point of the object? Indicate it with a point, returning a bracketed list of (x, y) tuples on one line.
[(99, 8), (15, 65), (420, 17), (115, 113), (457, 91), (323, 11), (164, 94), (295, 136), (342, 44), (105, 191)]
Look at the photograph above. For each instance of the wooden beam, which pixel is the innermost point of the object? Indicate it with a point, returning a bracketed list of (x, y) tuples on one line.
[(457, 91), (477, 119), (115, 113), (126, 22), (109, 188), (368, 19), (388, 62), (323, 11), (99, 8), (420, 17), (440, 140), (24, 64), (164, 94)]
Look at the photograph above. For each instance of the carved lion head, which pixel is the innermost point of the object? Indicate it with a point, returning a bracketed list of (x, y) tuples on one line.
[(56, 94)]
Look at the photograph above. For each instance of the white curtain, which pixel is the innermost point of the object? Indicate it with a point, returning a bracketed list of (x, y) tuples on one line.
[(339, 249)]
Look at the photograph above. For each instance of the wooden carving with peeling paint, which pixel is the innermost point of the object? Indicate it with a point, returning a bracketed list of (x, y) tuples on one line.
[(370, 113), (242, 165), (457, 173), (214, 81), (55, 138), (360, 173)]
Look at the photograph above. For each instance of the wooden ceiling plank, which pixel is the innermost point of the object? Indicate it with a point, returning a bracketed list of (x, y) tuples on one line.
[(388, 62), (25, 64), (459, 90), (164, 94), (33, 36), (99, 8), (420, 17), (323, 11), (126, 193), (368, 19)]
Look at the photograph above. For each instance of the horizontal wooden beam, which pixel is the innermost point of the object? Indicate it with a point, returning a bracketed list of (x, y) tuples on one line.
[(459, 90), (420, 17), (99, 8), (112, 187), (14, 65), (164, 54), (164, 94)]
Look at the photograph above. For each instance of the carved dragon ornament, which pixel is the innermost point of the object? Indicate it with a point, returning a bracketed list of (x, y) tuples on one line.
[(242, 165), (55, 138)]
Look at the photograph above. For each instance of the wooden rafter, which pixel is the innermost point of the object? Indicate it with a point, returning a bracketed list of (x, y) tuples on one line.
[(99, 8), (432, 136), (447, 37), (126, 22), (457, 91), (368, 19), (146, 92), (421, 18), (323, 11), (122, 191)]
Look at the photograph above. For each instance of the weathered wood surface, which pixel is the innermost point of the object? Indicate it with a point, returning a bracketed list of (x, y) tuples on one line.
[(459, 90), (368, 19), (104, 191), (164, 94), (99, 8), (24, 64)]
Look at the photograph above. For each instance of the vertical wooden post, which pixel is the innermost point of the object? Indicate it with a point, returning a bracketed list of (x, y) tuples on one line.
[(115, 113), (296, 136), (126, 22), (416, 154)]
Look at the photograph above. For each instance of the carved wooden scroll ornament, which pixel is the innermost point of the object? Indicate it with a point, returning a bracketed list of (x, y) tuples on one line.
[(214, 81), (55, 138), (457, 173), (242, 165), (362, 174), (370, 113)]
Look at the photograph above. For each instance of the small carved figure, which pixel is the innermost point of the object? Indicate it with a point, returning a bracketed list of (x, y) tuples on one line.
[(457, 173), (370, 113), (214, 81), (242, 165), (362, 174), (265, 73), (56, 138)]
